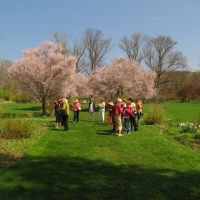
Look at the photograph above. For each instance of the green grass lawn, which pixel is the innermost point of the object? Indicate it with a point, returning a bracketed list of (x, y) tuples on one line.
[(87, 162)]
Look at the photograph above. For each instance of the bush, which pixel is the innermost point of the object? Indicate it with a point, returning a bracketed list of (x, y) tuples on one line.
[(16, 128), (154, 115), (20, 98), (188, 128), (5, 94)]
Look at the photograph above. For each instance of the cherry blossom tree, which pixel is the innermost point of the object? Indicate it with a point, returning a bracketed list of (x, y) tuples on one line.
[(43, 70), (122, 76), (76, 85)]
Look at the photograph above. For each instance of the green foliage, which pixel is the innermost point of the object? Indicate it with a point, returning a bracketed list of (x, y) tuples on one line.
[(188, 128), (154, 115), (5, 94), (20, 98), (16, 128), (84, 161)]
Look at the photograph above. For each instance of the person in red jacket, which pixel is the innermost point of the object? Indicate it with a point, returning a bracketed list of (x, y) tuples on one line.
[(117, 117), (76, 108)]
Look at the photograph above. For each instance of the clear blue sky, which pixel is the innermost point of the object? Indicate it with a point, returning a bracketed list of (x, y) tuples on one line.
[(27, 23)]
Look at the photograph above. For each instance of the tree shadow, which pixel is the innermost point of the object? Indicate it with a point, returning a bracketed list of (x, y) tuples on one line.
[(76, 178), (33, 108)]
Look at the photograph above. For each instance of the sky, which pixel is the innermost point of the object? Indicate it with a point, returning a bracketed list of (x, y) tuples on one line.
[(27, 23)]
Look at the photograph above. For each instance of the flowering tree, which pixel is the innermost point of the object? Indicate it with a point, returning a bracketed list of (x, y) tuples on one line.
[(123, 76), (43, 70), (76, 85)]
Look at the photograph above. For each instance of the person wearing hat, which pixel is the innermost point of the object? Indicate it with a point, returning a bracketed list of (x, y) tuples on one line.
[(76, 109), (110, 112), (117, 116)]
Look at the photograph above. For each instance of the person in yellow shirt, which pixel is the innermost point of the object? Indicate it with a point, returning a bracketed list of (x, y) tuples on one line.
[(65, 115)]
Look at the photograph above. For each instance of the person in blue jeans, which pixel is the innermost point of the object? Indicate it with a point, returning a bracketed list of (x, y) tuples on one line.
[(127, 117)]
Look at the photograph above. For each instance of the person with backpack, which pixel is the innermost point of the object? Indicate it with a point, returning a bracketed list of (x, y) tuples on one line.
[(76, 108)]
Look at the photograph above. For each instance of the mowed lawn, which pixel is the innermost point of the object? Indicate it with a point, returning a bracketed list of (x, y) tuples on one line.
[(87, 162)]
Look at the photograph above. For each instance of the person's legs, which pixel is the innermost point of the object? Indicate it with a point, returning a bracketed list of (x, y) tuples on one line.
[(92, 116), (65, 123), (109, 117), (77, 116), (118, 124), (138, 119), (135, 124), (74, 116), (128, 125), (125, 124), (100, 118), (119, 119), (103, 115)]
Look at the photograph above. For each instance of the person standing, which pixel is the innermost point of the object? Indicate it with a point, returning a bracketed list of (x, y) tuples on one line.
[(139, 111), (65, 108), (110, 112), (76, 109), (123, 104), (102, 105), (57, 114), (133, 115), (117, 116), (91, 109), (127, 117)]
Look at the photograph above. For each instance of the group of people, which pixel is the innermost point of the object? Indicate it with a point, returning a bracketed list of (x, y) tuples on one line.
[(61, 110), (124, 114)]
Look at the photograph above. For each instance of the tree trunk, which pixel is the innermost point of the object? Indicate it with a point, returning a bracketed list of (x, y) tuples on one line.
[(43, 107)]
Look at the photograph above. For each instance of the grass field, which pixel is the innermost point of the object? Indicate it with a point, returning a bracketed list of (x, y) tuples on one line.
[(87, 162)]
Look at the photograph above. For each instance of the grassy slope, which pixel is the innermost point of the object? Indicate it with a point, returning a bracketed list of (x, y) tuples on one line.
[(89, 163)]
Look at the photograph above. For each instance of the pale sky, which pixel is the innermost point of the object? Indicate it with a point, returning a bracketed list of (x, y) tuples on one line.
[(27, 23)]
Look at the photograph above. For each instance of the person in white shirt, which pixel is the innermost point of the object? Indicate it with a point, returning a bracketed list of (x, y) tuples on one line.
[(101, 107), (91, 109)]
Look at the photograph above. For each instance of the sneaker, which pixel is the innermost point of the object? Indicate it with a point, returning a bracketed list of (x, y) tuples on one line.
[(120, 135)]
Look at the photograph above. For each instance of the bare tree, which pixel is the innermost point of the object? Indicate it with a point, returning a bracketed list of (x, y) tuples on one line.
[(79, 52), (73, 47), (160, 57), (97, 48), (133, 47), (64, 40)]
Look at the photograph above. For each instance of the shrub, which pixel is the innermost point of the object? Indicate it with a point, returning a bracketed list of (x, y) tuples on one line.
[(188, 128), (5, 94), (154, 115), (20, 98), (16, 128)]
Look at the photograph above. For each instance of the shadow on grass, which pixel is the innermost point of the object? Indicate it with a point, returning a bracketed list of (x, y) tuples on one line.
[(61, 178), (33, 108), (104, 132)]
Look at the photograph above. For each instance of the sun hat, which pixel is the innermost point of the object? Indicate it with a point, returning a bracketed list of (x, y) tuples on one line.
[(76, 100), (111, 103)]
